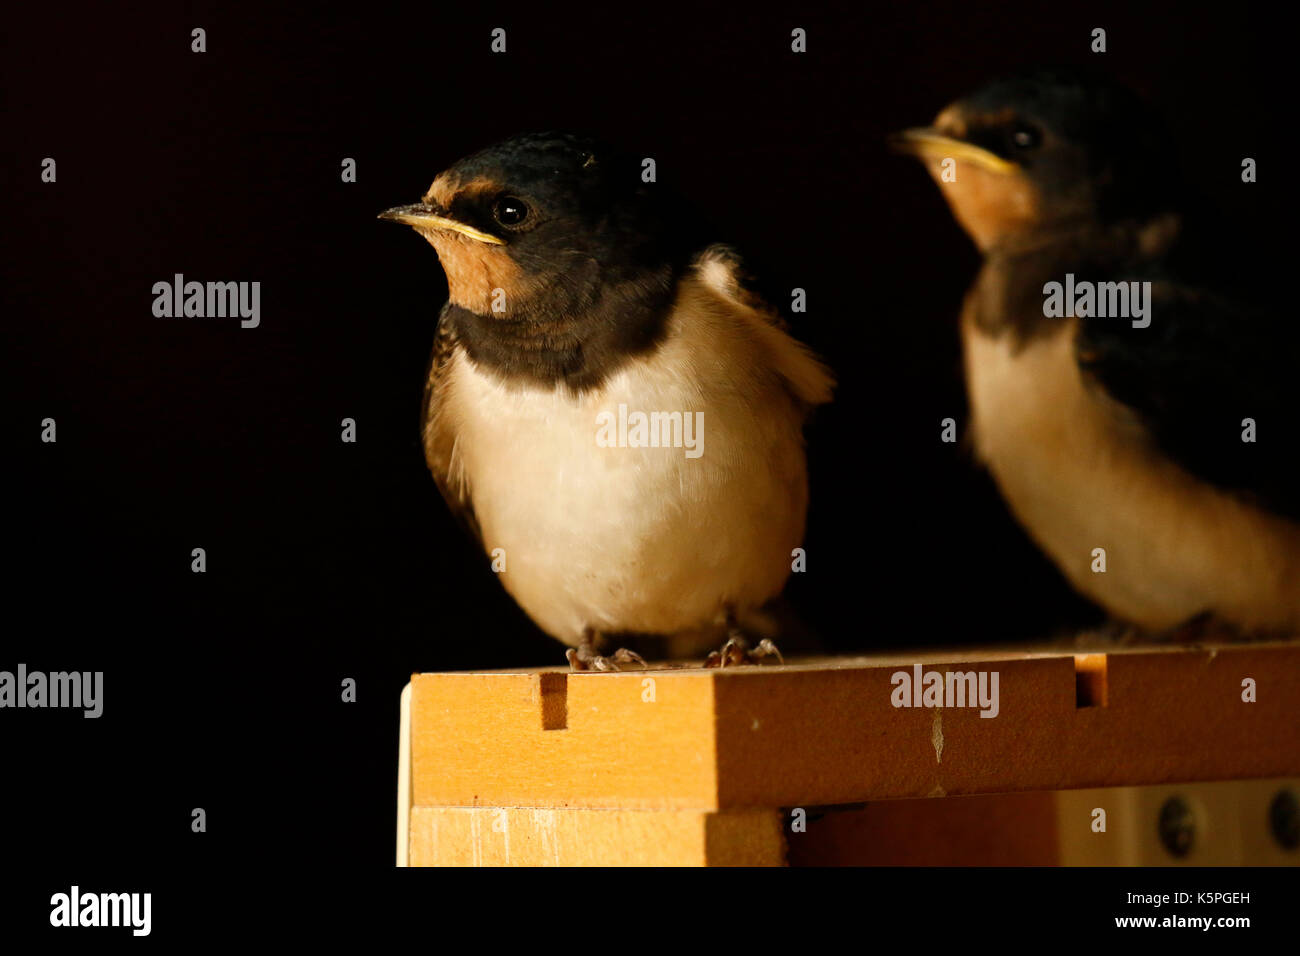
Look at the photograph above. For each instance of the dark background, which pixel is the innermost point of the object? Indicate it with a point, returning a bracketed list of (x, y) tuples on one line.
[(327, 560)]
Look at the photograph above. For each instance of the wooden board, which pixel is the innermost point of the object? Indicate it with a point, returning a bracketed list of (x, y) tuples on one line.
[(491, 836), (1232, 823), (825, 731), (1004, 829)]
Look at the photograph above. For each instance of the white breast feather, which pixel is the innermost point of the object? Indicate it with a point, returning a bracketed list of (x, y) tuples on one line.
[(646, 539), (1080, 473)]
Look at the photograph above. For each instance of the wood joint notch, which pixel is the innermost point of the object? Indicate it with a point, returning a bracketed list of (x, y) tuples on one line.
[(554, 694), (1090, 688)]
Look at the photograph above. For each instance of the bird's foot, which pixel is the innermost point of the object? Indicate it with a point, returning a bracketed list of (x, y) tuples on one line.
[(1112, 633), (1206, 629), (737, 651), (1198, 631), (584, 658)]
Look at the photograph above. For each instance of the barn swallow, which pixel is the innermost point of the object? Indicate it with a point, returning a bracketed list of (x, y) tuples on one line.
[(581, 307), (1167, 440)]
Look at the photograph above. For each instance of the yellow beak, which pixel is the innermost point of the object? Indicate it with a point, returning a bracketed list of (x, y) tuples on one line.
[(427, 217), (928, 143)]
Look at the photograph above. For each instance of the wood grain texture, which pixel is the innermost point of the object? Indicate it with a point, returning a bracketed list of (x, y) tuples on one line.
[(825, 732), (490, 836), (1002, 829)]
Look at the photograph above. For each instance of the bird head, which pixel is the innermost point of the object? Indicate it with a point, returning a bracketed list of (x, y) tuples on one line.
[(541, 226), (1043, 150)]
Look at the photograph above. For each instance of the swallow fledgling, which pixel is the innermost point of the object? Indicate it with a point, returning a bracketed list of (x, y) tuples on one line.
[(616, 417), (1132, 391)]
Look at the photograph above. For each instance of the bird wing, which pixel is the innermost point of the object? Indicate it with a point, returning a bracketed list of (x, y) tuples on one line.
[(1204, 365), (439, 435), (808, 380)]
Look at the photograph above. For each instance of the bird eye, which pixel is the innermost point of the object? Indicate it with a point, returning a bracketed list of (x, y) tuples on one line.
[(510, 211), (1025, 137)]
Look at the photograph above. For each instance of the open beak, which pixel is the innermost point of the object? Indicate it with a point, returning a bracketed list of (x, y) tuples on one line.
[(422, 216), (929, 143)]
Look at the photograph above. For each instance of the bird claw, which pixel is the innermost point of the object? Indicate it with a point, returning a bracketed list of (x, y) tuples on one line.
[(737, 651), (583, 658)]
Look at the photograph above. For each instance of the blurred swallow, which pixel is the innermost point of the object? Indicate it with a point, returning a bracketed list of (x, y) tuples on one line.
[(580, 300), (1168, 439)]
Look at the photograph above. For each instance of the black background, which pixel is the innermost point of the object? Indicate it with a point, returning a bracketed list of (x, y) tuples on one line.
[(328, 560)]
